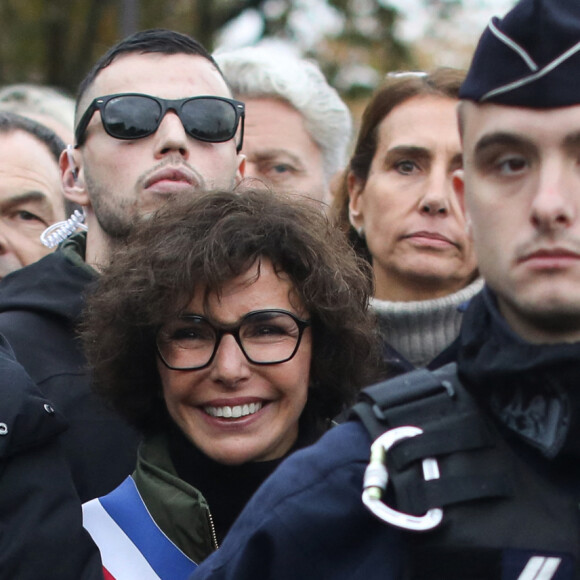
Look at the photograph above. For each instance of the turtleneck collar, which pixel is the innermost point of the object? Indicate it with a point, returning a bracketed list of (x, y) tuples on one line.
[(532, 389), (421, 330)]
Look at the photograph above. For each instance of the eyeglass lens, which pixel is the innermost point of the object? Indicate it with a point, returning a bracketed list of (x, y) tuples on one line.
[(265, 338), (134, 116)]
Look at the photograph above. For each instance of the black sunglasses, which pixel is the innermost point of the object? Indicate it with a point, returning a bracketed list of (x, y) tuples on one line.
[(134, 116)]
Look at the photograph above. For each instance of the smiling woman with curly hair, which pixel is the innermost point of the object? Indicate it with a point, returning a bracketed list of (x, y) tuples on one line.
[(229, 331)]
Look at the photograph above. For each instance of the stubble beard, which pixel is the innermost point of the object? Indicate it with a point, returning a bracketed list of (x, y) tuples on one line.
[(561, 323), (115, 216)]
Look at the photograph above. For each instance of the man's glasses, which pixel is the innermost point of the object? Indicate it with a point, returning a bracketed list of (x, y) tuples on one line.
[(266, 337), (134, 116)]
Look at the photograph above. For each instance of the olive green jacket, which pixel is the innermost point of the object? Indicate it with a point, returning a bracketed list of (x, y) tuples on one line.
[(179, 509)]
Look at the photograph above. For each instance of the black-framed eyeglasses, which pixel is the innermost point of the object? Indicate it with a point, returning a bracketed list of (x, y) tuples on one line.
[(134, 116), (266, 337)]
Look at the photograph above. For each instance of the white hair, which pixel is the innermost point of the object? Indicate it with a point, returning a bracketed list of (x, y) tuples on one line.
[(256, 71), (44, 100)]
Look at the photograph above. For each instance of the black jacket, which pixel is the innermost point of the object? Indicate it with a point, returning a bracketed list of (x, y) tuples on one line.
[(41, 533), (40, 306)]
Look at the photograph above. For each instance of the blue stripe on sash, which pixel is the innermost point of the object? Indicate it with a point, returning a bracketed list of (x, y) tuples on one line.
[(125, 506)]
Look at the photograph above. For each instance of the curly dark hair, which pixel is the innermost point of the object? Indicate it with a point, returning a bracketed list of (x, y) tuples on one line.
[(206, 242)]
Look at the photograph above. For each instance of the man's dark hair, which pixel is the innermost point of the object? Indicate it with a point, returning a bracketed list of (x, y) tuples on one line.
[(197, 246), (157, 40), (11, 122)]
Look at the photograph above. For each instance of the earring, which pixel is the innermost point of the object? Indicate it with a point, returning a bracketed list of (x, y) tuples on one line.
[(468, 226), (361, 232)]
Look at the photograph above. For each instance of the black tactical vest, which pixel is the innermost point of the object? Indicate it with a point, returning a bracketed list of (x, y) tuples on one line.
[(507, 512)]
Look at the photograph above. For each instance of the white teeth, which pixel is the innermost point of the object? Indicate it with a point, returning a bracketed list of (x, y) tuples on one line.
[(233, 412)]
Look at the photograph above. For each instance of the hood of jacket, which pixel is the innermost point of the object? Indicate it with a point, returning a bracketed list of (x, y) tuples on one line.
[(27, 419)]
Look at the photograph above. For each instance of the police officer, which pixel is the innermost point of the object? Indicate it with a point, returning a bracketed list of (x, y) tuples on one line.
[(482, 459)]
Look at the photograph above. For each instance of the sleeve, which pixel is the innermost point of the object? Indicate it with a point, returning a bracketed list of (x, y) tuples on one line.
[(41, 533)]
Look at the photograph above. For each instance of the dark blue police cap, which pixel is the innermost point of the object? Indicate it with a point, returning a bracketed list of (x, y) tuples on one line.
[(529, 58)]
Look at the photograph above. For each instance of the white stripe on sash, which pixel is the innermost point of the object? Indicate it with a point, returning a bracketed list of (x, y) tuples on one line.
[(120, 556)]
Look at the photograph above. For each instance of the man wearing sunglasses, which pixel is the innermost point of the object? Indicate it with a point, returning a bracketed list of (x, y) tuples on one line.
[(150, 125), (155, 121)]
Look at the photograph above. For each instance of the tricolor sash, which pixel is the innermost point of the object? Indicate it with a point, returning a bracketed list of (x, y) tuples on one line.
[(132, 545)]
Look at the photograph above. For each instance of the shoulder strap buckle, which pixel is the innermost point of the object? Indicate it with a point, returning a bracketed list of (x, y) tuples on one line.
[(376, 479)]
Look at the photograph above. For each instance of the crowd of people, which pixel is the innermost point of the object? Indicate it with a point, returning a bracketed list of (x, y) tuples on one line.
[(229, 350)]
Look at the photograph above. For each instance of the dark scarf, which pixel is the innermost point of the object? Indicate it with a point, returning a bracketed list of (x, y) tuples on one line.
[(532, 389)]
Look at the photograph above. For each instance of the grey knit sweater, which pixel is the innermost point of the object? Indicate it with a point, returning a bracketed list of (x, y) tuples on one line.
[(421, 330)]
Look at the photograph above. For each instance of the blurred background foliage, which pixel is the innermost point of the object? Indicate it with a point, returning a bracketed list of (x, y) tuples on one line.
[(356, 42)]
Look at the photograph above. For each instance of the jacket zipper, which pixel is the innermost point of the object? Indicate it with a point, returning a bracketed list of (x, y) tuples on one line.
[(212, 527)]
